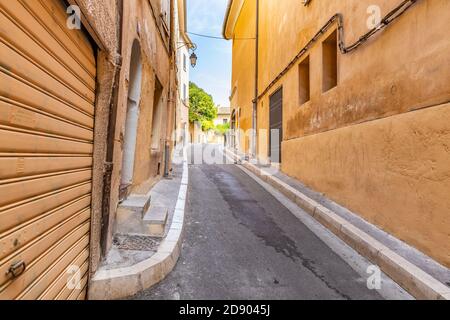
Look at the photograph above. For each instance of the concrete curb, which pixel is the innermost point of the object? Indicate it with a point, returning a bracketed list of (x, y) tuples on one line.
[(124, 282), (417, 282)]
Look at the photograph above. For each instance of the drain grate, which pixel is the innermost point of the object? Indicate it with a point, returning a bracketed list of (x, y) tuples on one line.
[(136, 242)]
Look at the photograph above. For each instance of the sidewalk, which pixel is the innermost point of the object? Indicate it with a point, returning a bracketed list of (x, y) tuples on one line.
[(138, 261)]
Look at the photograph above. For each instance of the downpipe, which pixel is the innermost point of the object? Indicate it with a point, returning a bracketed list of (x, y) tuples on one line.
[(166, 160)]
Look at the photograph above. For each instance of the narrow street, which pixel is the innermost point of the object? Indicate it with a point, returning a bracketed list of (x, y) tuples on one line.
[(242, 243), (224, 150)]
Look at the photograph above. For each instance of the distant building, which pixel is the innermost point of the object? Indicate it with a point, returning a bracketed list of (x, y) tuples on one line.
[(223, 116), (184, 44)]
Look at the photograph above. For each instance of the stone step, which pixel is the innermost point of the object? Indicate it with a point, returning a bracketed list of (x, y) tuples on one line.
[(130, 213), (155, 220), (137, 203)]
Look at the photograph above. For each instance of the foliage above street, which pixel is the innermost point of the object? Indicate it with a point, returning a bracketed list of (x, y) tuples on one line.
[(201, 107)]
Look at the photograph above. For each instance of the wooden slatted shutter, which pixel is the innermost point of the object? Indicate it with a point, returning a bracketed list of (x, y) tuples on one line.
[(47, 94)]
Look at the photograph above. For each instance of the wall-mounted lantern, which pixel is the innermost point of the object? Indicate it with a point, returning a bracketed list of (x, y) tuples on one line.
[(193, 59)]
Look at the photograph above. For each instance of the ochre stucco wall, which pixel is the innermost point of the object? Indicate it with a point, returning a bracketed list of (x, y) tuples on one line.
[(395, 172), (347, 142), (390, 74), (139, 24), (102, 17), (243, 69)]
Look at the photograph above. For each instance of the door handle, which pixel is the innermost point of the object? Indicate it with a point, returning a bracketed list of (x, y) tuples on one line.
[(16, 269)]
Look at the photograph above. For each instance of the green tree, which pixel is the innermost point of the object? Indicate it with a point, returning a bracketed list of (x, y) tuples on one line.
[(207, 125), (222, 129), (201, 107)]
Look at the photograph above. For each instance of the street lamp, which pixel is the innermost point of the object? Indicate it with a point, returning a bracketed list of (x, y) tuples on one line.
[(193, 59)]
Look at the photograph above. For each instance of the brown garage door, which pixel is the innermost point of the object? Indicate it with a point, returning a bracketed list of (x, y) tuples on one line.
[(47, 92)]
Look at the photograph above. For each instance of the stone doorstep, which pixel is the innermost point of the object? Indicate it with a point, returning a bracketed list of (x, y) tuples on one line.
[(130, 214), (416, 281), (156, 215), (128, 222), (155, 220), (156, 230)]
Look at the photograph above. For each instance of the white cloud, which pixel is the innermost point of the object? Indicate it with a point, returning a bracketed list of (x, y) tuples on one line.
[(206, 16)]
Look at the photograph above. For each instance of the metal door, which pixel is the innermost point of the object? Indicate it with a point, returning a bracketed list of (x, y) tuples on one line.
[(276, 126), (47, 94)]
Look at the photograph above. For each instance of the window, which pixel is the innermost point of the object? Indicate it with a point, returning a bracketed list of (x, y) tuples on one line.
[(184, 93), (225, 121), (329, 56), (184, 62), (304, 81)]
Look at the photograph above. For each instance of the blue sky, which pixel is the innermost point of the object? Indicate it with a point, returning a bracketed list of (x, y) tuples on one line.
[(213, 70)]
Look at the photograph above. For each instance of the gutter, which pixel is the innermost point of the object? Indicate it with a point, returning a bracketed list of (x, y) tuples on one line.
[(171, 113), (255, 103), (225, 21), (233, 11), (186, 37)]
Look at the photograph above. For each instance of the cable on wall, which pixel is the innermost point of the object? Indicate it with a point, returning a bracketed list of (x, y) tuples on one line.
[(216, 37), (339, 19)]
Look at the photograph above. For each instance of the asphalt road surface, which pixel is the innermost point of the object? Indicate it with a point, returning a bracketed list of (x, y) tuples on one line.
[(242, 243)]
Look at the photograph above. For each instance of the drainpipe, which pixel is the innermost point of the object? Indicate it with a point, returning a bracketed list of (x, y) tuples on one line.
[(113, 106), (255, 102), (171, 100)]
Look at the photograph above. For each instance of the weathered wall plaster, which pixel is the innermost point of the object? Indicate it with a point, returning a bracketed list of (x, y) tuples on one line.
[(360, 142)]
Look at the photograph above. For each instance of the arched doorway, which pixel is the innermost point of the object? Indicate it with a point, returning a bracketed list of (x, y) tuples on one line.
[(131, 124), (156, 142)]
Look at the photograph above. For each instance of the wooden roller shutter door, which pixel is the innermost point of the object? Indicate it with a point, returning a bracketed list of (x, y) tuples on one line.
[(47, 93)]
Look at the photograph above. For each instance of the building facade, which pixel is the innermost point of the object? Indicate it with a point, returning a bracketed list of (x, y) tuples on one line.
[(184, 44), (223, 119), (363, 120), (88, 95)]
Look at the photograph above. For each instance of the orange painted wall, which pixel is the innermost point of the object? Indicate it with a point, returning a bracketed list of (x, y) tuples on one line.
[(243, 77), (377, 143)]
